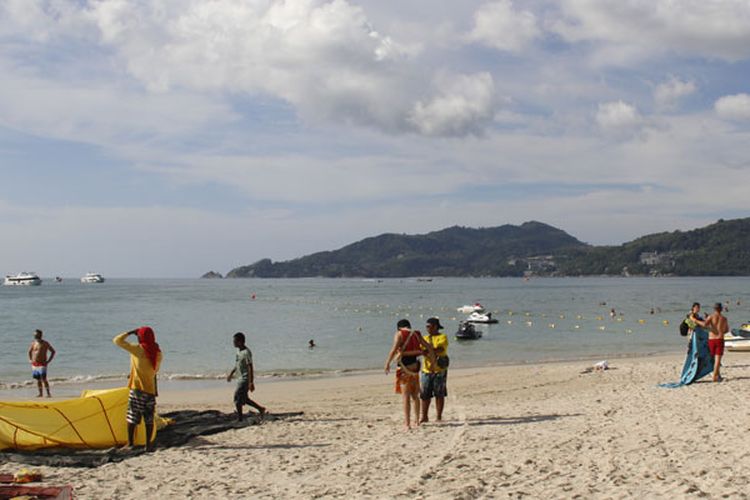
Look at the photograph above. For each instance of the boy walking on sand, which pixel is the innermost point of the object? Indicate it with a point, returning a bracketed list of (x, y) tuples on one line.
[(245, 381), (434, 379), (717, 327), (38, 357)]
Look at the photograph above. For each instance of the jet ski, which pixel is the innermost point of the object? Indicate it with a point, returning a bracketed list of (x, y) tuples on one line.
[(486, 319), (478, 308), (467, 331), (738, 345), (739, 333)]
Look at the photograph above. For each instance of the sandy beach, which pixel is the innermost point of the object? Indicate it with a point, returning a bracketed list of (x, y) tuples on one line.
[(536, 431)]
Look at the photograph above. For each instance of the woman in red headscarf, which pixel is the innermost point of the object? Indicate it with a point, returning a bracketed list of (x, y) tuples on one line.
[(145, 359)]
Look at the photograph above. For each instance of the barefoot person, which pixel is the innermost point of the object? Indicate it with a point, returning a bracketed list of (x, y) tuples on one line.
[(717, 327), (245, 381), (145, 358), (408, 344), (434, 378), (38, 352)]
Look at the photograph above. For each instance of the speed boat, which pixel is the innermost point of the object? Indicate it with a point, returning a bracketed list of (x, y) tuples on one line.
[(23, 279), (486, 319), (478, 308), (92, 278), (467, 331)]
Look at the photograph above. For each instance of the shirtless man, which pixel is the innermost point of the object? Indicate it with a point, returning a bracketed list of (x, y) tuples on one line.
[(38, 357), (717, 327)]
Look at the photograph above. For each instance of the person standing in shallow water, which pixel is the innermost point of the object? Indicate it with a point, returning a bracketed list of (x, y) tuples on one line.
[(246, 378), (408, 344), (145, 359), (39, 361)]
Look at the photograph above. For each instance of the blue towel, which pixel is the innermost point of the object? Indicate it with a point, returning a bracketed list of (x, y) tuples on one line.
[(698, 363)]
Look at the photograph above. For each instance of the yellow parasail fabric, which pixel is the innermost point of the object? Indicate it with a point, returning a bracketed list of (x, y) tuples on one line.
[(95, 420)]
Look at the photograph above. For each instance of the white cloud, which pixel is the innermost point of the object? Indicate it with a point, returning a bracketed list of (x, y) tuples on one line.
[(102, 114), (499, 26), (733, 107), (668, 94), (636, 28), (466, 104), (323, 57), (618, 115)]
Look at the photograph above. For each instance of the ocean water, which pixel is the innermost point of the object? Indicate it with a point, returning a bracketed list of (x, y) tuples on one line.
[(351, 320)]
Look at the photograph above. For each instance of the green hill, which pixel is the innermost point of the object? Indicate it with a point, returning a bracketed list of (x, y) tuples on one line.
[(455, 251), (721, 249)]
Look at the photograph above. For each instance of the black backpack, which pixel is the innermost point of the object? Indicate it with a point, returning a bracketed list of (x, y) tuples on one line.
[(684, 328)]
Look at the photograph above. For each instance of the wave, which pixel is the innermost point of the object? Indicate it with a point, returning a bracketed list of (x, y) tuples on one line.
[(179, 377)]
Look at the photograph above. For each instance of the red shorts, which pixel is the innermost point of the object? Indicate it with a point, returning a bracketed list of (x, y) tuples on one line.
[(716, 347)]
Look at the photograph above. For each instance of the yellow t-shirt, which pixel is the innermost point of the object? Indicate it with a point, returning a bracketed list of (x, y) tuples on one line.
[(440, 345), (142, 373)]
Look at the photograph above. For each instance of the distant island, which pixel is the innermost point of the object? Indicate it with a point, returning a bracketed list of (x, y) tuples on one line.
[(531, 249), (212, 275)]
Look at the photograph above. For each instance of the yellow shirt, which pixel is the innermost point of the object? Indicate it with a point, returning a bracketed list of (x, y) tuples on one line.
[(142, 373), (440, 345)]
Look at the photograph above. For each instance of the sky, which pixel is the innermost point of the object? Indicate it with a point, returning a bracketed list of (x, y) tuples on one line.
[(166, 138)]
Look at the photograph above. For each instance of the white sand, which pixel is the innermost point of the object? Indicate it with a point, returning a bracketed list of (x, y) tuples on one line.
[(540, 431)]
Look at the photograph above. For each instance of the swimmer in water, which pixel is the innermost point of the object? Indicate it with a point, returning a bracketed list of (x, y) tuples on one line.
[(311, 344)]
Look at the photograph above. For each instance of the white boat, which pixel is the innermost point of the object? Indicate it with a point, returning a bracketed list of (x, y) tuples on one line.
[(476, 317), (23, 279), (92, 278), (476, 308), (738, 345)]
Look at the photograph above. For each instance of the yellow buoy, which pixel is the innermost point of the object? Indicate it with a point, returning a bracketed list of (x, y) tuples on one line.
[(602, 327), (642, 321)]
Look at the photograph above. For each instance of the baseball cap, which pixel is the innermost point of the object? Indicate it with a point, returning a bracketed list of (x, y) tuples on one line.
[(436, 322)]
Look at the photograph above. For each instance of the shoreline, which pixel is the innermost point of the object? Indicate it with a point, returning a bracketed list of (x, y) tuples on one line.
[(71, 387)]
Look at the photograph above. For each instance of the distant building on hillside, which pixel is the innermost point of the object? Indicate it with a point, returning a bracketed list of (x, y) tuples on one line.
[(540, 263), (651, 259)]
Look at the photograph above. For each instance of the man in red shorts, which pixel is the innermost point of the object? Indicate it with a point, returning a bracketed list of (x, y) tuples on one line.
[(717, 327)]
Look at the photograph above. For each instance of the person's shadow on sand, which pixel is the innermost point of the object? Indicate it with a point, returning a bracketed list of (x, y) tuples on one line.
[(529, 419)]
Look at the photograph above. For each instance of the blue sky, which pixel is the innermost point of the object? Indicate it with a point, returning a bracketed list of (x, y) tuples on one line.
[(170, 137)]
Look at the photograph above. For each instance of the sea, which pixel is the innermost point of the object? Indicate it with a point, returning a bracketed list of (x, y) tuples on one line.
[(351, 321)]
